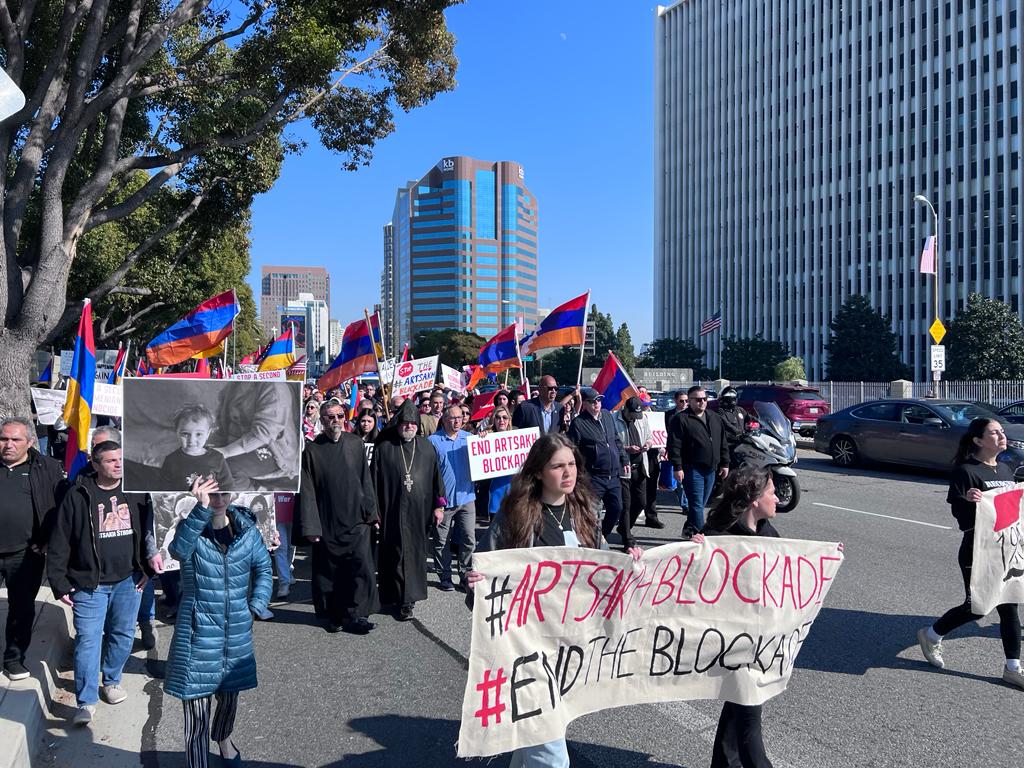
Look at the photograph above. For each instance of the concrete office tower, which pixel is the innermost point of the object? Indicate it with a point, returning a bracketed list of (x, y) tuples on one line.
[(464, 244), (283, 284), (387, 292), (790, 141)]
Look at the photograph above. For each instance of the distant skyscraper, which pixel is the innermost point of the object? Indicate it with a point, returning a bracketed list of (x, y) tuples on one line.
[(790, 141), (387, 291), (334, 334), (464, 249), (283, 284), (314, 330)]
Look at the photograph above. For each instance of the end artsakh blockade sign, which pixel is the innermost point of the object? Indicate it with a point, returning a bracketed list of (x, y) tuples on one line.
[(560, 632), (997, 575), (499, 453)]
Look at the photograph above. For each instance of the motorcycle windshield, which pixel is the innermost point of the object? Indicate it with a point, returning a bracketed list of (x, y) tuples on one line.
[(772, 418)]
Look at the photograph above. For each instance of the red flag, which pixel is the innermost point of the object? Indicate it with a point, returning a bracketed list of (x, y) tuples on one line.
[(405, 352)]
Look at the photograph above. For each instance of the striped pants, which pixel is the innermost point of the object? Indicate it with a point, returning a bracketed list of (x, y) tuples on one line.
[(197, 726)]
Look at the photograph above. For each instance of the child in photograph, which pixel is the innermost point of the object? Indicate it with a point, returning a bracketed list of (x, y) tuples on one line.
[(193, 424)]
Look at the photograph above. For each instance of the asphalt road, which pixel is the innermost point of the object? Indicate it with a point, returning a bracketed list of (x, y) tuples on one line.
[(861, 694)]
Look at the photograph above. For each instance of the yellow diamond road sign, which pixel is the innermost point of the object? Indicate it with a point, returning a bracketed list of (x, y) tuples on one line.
[(938, 331)]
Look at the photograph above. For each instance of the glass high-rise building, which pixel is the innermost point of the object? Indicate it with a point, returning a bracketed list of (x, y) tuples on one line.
[(463, 247), (791, 141)]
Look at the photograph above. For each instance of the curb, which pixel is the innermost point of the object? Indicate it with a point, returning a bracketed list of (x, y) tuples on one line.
[(24, 704)]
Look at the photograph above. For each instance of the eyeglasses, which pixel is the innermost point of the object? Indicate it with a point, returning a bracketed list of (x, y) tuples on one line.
[(502, 417), (334, 417), (698, 399)]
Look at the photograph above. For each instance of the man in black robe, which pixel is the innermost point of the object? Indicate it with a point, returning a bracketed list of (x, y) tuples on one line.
[(409, 488), (336, 512)]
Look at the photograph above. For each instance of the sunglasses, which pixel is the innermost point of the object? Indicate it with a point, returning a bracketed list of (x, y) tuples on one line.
[(698, 399)]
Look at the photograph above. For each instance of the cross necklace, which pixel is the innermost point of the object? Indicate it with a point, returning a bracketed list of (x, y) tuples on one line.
[(408, 465)]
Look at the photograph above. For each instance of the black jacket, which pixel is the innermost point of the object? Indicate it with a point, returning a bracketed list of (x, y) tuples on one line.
[(46, 482), (735, 421), (702, 442), (73, 560), (529, 413), (764, 528), (598, 441)]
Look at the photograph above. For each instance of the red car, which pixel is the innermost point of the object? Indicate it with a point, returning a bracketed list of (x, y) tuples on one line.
[(803, 406)]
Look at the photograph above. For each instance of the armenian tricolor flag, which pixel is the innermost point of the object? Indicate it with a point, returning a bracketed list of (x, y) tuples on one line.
[(375, 330), (203, 328), (78, 405), (355, 357), (614, 383), (122, 359), (280, 353), (501, 352), (47, 377), (566, 326)]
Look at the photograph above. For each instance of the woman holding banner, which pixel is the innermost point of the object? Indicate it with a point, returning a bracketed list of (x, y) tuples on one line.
[(498, 487), (546, 506), (746, 508), (976, 470)]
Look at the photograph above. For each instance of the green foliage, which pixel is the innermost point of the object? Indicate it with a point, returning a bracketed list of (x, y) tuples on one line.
[(751, 359), (456, 348), (985, 341), (624, 348), (674, 353), (790, 369), (564, 363), (862, 345)]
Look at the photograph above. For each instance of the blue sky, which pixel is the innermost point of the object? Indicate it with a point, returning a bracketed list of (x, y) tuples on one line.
[(565, 89)]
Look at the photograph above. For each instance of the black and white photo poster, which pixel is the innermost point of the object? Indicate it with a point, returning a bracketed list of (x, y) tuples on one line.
[(245, 434)]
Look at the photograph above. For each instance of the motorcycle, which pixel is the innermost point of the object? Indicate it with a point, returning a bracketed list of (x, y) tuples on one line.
[(770, 442)]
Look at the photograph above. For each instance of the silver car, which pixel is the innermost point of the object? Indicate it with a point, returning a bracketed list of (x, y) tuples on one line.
[(918, 433)]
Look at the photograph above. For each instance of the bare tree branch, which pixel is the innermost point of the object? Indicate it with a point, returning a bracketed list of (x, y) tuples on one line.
[(210, 44), (129, 323), (130, 290), (134, 201)]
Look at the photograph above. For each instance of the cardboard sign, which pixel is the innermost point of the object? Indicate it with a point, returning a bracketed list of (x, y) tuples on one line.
[(997, 575), (656, 421), (106, 401), (387, 370), (412, 376), (281, 375), (499, 453), (453, 379), (560, 632)]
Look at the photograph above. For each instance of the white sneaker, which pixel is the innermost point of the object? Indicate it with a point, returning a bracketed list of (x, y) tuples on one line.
[(266, 615), (932, 651), (1014, 677), (113, 694), (83, 715)]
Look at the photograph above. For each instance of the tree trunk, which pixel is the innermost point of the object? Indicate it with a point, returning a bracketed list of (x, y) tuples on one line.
[(17, 356)]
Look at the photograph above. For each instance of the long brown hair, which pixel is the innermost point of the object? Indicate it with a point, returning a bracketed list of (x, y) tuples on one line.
[(521, 510), (742, 488)]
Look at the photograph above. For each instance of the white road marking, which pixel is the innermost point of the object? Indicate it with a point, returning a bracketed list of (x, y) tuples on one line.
[(887, 517)]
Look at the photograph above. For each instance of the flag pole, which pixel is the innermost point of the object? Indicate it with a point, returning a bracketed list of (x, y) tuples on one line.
[(522, 365), (583, 343), (376, 362)]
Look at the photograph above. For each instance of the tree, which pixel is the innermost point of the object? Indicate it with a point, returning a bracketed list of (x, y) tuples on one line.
[(623, 348), (790, 369), (182, 105), (985, 341), (751, 359), (455, 348), (862, 346), (674, 353)]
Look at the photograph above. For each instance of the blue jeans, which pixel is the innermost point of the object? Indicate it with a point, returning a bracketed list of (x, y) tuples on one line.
[(104, 632), (553, 754), (147, 603), (283, 555), (698, 483)]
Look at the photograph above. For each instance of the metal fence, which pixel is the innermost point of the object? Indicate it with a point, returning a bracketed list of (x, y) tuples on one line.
[(842, 394)]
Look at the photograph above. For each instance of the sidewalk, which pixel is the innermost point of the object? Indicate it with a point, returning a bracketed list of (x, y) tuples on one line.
[(26, 704)]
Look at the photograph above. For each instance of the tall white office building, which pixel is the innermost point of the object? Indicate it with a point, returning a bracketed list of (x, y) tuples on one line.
[(790, 141)]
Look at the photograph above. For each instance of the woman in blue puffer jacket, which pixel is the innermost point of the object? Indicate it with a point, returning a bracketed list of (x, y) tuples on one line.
[(220, 548)]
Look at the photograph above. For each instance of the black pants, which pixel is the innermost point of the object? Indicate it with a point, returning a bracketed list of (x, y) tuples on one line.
[(197, 726), (653, 472), (1009, 620), (634, 496), (609, 491), (738, 740), (22, 572)]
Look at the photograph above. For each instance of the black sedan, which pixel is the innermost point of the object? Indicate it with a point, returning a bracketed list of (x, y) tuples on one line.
[(918, 433), (1013, 413)]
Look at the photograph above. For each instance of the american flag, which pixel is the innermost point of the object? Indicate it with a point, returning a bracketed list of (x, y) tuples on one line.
[(298, 368), (713, 323)]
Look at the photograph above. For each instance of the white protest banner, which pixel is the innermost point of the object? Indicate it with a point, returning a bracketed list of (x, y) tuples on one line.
[(997, 575), (560, 632), (49, 403), (453, 379), (281, 375), (414, 376), (387, 370), (656, 421), (499, 453), (107, 400)]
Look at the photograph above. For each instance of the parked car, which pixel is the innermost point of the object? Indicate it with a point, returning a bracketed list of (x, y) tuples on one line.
[(803, 406), (1013, 413), (919, 433)]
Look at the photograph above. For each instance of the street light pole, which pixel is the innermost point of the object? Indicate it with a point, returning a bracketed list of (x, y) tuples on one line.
[(936, 375)]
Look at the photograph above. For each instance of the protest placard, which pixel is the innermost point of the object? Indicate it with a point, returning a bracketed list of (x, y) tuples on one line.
[(452, 379), (107, 400), (997, 574), (387, 371), (656, 421), (559, 632), (499, 453), (280, 375), (49, 403), (412, 376)]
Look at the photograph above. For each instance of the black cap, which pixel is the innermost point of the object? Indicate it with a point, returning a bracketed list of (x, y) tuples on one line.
[(633, 405), (591, 395)]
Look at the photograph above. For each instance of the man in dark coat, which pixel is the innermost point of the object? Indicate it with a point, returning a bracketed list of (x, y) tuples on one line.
[(336, 511), (541, 410), (697, 448), (408, 486)]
